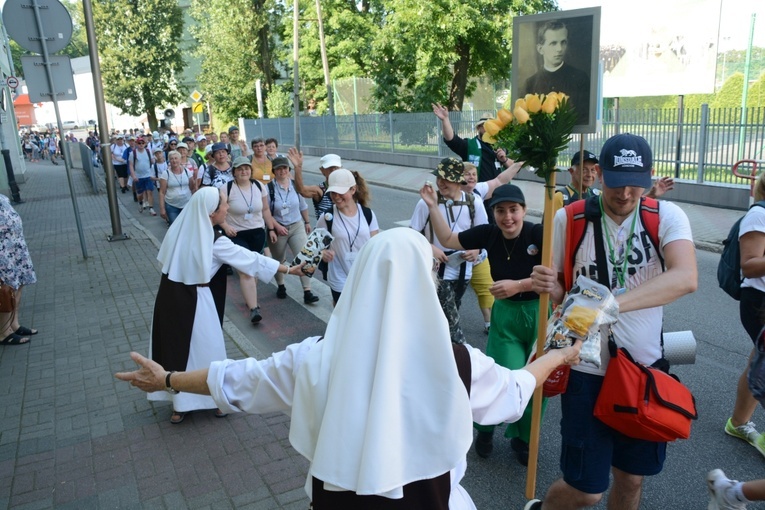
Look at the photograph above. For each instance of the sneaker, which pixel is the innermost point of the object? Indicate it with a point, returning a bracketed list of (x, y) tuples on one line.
[(151, 211), (534, 504), (720, 487), (746, 432), (484, 444), (309, 297), (140, 207), (255, 315), (521, 449), (124, 189), (281, 292)]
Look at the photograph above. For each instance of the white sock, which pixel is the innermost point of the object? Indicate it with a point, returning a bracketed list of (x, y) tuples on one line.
[(736, 492), (486, 324)]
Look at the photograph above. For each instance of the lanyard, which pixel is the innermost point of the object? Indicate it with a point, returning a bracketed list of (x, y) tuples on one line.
[(619, 272), (285, 197), (358, 226), (249, 204)]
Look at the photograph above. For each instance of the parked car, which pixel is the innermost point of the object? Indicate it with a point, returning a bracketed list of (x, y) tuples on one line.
[(69, 124)]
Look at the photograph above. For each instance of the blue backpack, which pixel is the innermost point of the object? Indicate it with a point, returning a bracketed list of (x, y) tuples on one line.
[(729, 268)]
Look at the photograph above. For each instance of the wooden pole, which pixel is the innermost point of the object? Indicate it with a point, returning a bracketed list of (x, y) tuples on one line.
[(544, 305)]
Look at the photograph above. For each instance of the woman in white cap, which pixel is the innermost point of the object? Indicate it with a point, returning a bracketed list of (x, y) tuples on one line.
[(176, 185), (187, 332), (381, 406), (350, 222), (514, 247)]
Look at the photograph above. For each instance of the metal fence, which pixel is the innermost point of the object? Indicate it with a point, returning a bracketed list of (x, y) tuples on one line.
[(697, 145)]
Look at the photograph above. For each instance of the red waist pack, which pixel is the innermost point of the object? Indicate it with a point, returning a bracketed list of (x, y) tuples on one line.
[(644, 402)]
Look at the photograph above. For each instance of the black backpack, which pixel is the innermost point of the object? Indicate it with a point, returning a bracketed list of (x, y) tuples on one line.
[(229, 184), (366, 211), (729, 268)]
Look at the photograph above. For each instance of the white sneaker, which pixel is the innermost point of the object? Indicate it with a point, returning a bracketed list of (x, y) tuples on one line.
[(151, 211), (719, 487), (140, 207)]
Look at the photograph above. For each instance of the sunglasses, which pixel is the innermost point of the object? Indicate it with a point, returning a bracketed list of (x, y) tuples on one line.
[(141, 143)]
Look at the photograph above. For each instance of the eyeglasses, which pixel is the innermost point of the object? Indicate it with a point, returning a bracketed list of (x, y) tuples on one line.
[(141, 143)]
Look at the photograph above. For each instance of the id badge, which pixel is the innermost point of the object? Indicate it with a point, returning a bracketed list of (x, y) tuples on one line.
[(285, 210), (247, 216), (619, 291), (350, 257), (266, 177)]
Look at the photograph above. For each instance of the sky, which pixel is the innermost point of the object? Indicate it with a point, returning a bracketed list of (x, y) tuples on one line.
[(735, 17)]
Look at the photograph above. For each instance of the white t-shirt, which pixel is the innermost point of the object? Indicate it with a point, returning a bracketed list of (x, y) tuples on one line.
[(754, 221), (141, 162), (245, 207), (461, 223), (638, 331), (178, 192), (117, 152), (350, 235)]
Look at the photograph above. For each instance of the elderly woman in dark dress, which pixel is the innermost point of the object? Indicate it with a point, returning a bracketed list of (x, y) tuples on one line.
[(15, 270)]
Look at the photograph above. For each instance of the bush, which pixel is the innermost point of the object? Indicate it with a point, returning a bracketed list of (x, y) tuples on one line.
[(279, 103)]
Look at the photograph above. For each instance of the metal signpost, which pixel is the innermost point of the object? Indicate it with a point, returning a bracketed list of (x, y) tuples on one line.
[(44, 27)]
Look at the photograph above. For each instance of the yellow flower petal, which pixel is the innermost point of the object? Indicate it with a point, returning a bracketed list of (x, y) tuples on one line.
[(521, 115), (520, 103), (504, 116), (550, 104), (492, 127), (489, 139), (533, 104)]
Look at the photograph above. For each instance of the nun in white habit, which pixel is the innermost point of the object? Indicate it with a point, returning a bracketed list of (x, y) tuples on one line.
[(188, 311), (378, 406)]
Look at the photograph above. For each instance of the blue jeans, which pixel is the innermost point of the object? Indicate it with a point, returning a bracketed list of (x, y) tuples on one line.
[(172, 212)]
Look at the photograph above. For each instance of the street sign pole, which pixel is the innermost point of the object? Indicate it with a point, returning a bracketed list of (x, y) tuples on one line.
[(46, 62), (103, 124)]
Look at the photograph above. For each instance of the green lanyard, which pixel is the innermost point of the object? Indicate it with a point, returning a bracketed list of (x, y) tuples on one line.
[(619, 271)]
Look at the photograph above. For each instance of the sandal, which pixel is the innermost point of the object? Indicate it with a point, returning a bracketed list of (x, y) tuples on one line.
[(177, 417), (25, 331), (14, 339)]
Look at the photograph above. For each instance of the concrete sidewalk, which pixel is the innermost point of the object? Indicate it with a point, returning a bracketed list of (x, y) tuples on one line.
[(71, 435), (710, 225)]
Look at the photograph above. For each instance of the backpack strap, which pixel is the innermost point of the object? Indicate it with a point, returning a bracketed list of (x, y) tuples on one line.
[(271, 195), (367, 214), (649, 217), (229, 185), (576, 224)]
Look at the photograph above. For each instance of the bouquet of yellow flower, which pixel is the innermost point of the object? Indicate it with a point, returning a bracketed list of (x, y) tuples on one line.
[(536, 131)]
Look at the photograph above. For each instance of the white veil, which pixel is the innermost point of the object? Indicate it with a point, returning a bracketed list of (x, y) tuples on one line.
[(381, 404)]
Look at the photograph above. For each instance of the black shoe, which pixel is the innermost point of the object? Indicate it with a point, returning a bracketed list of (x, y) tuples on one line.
[(521, 449), (534, 504), (124, 189), (281, 292), (255, 315), (484, 444), (309, 297)]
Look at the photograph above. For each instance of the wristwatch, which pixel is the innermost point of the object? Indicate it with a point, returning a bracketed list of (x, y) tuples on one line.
[(169, 388)]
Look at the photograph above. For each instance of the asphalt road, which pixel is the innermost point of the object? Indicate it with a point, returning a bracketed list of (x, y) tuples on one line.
[(499, 482)]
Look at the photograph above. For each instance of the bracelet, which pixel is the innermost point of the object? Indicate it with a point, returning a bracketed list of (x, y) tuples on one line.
[(272, 230), (168, 387), (307, 222)]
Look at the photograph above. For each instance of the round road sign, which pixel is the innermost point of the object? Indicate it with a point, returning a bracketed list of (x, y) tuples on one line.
[(21, 24), (12, 82)]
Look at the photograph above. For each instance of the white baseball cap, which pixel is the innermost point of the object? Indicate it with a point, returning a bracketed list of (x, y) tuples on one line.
[(340, 181), (330, 160)]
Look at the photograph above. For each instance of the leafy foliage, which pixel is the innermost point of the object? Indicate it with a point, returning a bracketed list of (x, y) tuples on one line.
[(236, 40), (427, 51), (729, 95), (141, 57), (279, 102)]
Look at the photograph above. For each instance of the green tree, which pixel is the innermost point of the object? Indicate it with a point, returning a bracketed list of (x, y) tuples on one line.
[(756, 95), (279, 102), (349, 29), (428, 51), (729, 95), (77, 47), (237, 42), (141, 57)]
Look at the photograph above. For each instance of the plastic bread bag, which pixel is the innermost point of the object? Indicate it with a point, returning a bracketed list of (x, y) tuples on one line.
[(318, 240), (588, 306)]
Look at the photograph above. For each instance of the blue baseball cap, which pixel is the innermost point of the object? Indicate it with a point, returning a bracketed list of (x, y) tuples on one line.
[(626, 160)]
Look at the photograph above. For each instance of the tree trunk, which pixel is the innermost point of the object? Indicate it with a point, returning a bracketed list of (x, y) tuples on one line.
[(459, 77), (265, 57), (151, 116)]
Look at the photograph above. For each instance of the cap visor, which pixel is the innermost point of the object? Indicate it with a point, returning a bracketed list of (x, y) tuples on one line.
[(621, 179), (338, 189)]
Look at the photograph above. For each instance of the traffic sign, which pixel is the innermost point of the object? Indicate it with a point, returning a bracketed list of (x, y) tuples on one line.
[(12, 82), (198, 107), (21, 24), (196, 96)]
